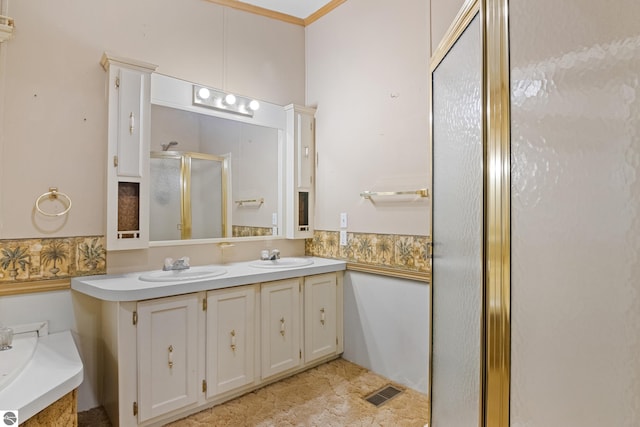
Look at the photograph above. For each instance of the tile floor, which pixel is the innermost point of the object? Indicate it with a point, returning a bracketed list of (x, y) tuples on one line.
[(332, 394)]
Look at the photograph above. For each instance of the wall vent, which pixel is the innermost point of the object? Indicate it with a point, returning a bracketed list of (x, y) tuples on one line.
[(383, 395)]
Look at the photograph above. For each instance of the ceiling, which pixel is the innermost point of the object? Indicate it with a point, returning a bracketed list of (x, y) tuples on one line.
[(298, 8)]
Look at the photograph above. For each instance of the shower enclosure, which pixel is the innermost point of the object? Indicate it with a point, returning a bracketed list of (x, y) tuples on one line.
[(457, 218), (189, 196), (560, 332)]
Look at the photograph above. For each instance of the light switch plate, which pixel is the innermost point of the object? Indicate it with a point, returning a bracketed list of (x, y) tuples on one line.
[(274, 218), (343, 220), (343, 237)]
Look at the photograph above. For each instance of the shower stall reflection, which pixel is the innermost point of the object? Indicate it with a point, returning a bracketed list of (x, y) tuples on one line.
[(189, 197)]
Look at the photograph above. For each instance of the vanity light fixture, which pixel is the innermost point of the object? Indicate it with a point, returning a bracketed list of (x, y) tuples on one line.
[(218, 100), (254, 105), (204, 93), (230, 99)]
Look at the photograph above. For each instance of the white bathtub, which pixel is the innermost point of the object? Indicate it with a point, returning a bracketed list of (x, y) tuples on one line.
[(40, 371)]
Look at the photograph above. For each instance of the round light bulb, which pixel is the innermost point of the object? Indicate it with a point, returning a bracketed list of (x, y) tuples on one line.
[(204, 93), (254, 105), (230, 99)]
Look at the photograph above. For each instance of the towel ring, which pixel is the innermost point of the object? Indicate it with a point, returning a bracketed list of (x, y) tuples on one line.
[(53, 194)]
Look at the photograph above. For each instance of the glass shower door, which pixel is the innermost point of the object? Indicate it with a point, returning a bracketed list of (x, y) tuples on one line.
[(457, 227), (208, 198), (189, 196), (166, 198)]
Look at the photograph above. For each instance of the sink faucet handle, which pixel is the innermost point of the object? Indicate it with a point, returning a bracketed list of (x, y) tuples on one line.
[(275, 254), (168, 263), (185, 260)]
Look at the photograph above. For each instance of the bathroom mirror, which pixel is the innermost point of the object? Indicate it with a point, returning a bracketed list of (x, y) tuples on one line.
[(214, 175)]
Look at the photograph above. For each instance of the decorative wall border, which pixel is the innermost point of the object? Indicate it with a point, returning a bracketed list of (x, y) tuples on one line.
[(44, 264), (250, 231), (395, 255)]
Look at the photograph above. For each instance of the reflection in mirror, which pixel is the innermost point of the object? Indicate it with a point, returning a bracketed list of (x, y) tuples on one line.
[(189, 196), (234, 184)]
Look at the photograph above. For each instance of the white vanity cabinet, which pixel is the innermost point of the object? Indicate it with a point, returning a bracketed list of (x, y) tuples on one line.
[(200, 344), (129, 105), (321, 333), (231, 339), (167, 341), (300, 171), (280, 305)]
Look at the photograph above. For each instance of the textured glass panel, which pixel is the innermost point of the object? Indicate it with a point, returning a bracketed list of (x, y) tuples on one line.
[(575, 101), (164, 203), (206, 198), (457, 232)]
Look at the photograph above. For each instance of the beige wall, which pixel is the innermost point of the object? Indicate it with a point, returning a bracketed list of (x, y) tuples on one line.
[(443, 12), (53, 95), (367, 72)]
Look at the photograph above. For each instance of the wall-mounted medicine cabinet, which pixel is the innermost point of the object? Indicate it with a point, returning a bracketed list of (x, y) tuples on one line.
[(300, 171), (267, 163), (128, 92)]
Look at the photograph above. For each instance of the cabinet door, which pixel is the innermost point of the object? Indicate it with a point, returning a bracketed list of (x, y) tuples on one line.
[(320, 316), (130, 110), (230, 338), (167, 355), (304, 149), (300, 170), (280, 307)]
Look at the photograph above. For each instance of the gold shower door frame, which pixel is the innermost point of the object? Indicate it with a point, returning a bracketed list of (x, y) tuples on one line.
[(185, 186), (496, 312)]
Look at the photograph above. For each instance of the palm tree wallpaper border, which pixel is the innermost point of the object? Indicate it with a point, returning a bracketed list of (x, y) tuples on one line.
[(51, 258), (381, 250)]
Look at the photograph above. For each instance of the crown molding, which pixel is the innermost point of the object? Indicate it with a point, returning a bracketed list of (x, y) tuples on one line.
[(245, 7)]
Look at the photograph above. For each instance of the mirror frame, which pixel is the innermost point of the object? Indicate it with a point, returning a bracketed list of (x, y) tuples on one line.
[(171, 92)]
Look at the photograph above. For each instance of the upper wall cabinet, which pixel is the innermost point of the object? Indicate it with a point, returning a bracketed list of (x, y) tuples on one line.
[(129, 94), (300, 171)]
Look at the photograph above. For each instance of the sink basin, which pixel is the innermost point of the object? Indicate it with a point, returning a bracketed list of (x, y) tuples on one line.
[(12, 361), (286, 262), (193, 273)]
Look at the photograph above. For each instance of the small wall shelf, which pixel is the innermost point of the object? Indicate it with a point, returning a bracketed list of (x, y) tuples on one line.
[(6, 28)]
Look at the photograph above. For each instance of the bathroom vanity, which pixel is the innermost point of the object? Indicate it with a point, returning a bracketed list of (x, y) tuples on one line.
[(175, 344)]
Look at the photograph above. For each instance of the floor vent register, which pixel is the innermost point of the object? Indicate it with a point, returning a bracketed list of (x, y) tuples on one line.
[(383, 395)]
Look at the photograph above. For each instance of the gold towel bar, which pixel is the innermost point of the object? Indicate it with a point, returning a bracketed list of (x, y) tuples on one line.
[(242, 202), (423, 192)]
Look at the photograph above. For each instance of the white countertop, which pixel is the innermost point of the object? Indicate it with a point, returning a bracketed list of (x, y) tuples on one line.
[(128, 287), (54, 370)]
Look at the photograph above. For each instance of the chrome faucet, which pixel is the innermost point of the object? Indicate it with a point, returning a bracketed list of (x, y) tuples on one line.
[(266, 256), (179, 264)]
